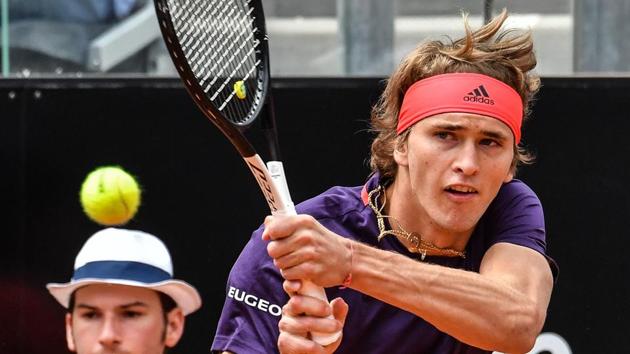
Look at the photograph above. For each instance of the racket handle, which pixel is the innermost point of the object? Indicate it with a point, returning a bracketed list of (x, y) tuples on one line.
[(310, 289), (276, 171)]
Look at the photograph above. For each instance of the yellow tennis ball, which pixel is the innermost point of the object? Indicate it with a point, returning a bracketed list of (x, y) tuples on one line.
[(239, 89), (110, 196)]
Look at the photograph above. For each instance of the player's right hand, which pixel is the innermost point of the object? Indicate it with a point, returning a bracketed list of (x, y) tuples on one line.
[(304, 314), (302, 248)]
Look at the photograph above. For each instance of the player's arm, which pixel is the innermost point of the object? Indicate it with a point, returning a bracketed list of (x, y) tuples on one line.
[(501, 308)]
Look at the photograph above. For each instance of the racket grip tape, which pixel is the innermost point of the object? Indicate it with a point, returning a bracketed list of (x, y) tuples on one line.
[(310, 289), (273, 187), (276, 171)]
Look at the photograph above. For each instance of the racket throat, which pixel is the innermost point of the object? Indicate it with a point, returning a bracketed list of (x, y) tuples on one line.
[(268, 125)]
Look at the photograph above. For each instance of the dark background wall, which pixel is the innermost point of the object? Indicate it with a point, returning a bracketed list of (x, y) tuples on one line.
[(202, 201)]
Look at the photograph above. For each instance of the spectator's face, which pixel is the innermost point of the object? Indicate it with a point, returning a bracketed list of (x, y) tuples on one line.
[(454, 165), (120, 319)]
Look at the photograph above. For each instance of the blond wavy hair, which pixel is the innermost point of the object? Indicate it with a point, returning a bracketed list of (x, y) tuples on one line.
[(506, 55)]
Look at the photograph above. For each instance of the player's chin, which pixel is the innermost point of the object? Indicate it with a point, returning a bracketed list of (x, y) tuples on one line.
[(459, 221), (465, 215), (459, 228)]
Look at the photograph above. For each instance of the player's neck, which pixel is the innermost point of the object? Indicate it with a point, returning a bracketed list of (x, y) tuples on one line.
[(413, 217)]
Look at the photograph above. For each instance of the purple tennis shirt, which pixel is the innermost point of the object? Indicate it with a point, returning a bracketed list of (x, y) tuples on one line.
[(254, 298)]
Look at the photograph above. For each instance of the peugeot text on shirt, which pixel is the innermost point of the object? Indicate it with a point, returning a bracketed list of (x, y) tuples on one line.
[(254, 301)]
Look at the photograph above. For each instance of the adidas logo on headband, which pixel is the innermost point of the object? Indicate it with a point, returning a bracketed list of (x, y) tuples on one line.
[(480, 95), (446, 93)]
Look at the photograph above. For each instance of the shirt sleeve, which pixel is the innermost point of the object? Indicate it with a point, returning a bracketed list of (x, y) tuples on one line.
[(253, 303), (519, 219)]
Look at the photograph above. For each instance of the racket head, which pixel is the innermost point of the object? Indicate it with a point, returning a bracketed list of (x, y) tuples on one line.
[(220, 50)]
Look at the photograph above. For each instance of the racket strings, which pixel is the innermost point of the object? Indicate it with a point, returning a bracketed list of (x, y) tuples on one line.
[(216, 46), (200, 64), (247, 61), (195, 28), (218, 38), (225, 53), (234, 22), (197, 31)]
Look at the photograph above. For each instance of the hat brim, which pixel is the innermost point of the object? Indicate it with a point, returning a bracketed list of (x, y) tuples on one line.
[(184, 294)]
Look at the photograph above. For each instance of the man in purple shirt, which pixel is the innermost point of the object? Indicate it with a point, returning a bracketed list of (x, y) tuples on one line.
[(441, 251)]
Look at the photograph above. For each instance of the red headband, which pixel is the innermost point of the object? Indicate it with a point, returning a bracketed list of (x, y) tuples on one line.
[(462, 92)]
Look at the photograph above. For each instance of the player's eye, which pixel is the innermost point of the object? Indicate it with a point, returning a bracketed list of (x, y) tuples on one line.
[(444, 135), (489, 142)]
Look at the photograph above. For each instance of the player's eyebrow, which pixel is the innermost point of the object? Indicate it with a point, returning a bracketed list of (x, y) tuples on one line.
[(494, 134), (449, 126)]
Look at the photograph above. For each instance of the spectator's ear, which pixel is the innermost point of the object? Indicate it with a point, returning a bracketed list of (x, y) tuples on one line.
[(174, 327), (69, 336)]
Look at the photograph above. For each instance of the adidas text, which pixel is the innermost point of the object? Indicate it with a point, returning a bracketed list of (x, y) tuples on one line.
[(478, 99), (254, 301)]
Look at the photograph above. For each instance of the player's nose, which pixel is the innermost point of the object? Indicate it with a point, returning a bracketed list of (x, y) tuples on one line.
[(467, 160)]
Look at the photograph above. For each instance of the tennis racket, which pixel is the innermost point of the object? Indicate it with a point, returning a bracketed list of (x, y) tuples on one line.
[(220, 50)]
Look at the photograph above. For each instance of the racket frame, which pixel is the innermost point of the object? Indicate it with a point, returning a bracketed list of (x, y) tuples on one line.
[(278, 200), (270, 178)]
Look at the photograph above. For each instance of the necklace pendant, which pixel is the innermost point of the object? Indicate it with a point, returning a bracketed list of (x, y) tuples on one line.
[(417, 244)]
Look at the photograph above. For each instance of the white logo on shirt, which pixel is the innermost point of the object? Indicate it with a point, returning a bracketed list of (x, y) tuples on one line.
[(254, 301)]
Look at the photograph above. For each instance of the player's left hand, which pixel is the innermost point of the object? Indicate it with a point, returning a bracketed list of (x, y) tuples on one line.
[(304, 249), (304, 314)]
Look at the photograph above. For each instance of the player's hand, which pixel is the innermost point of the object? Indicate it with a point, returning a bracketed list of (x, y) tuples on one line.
[(302, 248), (305, 314)]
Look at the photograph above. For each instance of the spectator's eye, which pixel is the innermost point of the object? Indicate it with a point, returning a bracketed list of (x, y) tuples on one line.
[(132, 314), (89, 315)]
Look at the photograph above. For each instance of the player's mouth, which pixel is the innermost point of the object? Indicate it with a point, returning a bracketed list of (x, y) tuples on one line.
[(460, 191)]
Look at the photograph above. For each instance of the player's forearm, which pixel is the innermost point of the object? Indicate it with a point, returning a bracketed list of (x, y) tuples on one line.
[(472, 308)]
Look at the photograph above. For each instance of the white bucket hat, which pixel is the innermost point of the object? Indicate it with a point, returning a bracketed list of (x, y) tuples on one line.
[(127, 257)]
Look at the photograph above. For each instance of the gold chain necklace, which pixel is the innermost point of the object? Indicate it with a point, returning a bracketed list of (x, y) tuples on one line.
[(418, 244)]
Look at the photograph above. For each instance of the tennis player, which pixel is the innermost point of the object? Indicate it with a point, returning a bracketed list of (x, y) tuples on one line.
[(122, 297), (442, 250)]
